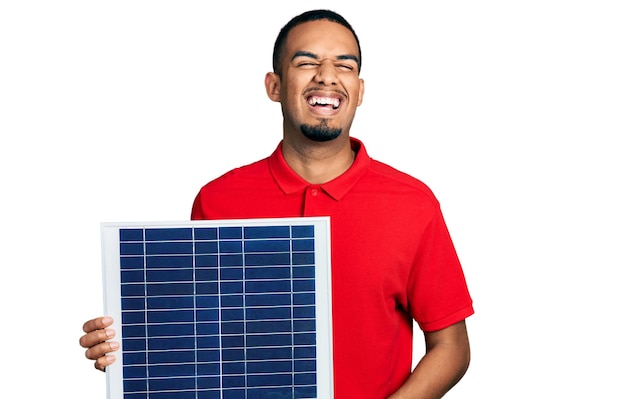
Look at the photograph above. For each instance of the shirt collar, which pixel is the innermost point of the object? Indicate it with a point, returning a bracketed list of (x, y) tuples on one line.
[(290, 182)]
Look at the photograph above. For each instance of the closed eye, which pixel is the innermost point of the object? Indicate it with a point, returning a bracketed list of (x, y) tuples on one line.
[(345, 67), (307, 64)]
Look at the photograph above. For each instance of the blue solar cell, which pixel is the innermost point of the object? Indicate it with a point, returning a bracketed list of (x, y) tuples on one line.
[(179, 342), (222, 311), (255, 232), (230, 301), (303, 245), (268, 246), (130, 290), (304, 339), (268, 273), (207, 315), (134, 344), (206, 260), (307, 231), (234, 368), (133, 317), (304, 325), (169, 329), (304, 378), (226, 247), (232, 327), (205, 233), (166, 384), (302, 352), (303, 312), (158, 289), (207, 288), (155, 262), (134, 357), (273, 392), (232, 273), (133, 331), (306, 298), (169, 302), (231, 287), (133, 276), (164, 248), (230, 233), (269, 327), (233, 341), (268, 313), (271, 299), (270, 380), (268, 259), (131, 235), (135, 385), (168, 234), (132, 262), (206, 247), (231, 260), (233, 354), (131, 248), (253, 340), (232, 314), (135, 372), (303, 258), (303, 285), (168, 275), (256, 286), (182, 315), (303, 365), (156, 357)]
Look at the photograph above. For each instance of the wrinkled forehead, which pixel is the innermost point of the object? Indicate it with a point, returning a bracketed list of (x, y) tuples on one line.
[(324, 38)]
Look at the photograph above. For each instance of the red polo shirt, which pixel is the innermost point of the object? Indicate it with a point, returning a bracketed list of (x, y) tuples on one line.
[(392, 258)]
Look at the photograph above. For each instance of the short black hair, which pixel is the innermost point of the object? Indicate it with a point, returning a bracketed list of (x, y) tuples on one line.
[(308, 16)]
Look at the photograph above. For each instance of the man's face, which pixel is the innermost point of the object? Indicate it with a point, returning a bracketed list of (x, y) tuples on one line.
[(320, 86)]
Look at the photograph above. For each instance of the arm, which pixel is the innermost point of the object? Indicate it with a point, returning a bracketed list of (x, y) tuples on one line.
[(444, 364), (96, 341)]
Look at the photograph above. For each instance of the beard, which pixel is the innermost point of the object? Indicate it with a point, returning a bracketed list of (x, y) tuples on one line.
[(321, 132)]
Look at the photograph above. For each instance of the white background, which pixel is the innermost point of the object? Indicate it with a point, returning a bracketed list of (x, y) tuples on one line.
[(512, 112)]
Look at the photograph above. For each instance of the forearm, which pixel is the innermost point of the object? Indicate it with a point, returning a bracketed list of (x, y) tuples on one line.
[(443, 365)]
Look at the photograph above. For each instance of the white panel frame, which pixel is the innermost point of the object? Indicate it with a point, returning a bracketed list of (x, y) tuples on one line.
[(323, 300)]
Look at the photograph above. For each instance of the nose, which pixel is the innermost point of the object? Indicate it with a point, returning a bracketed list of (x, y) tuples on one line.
[(326, 73)]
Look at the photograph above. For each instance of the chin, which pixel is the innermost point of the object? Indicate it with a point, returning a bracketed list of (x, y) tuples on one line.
[(320, 133)]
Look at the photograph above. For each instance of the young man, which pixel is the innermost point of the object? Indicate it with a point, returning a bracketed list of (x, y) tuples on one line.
[(392, 257)]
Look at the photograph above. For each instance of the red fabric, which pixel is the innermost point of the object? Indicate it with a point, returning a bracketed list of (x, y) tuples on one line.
[(392, 258)]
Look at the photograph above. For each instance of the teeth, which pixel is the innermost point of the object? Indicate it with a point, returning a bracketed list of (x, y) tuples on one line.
[(324, 101)]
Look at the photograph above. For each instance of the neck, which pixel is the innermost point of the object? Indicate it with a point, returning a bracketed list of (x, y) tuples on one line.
[(319, 163)]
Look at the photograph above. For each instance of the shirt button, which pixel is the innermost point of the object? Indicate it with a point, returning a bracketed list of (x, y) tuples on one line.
[(314, 192)]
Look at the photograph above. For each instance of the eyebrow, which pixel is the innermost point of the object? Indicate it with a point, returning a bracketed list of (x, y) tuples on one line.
[(316, 57)]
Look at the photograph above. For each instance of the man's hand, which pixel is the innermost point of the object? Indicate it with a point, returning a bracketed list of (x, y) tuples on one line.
[(96, 341)]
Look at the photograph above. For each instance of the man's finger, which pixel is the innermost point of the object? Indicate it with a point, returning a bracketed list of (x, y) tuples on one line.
[(99, 351), (97, 324)]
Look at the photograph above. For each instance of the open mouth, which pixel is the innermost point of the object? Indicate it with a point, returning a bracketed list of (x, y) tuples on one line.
[(324, 102)]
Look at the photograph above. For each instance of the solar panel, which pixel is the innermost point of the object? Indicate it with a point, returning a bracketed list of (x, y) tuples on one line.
[(228, 309)]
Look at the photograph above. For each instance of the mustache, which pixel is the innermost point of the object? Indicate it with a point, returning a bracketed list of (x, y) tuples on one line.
[(338, 91)]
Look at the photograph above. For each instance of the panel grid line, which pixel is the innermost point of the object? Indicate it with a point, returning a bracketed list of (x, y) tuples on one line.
[(219, 312), (293, 344), (195, 310), (145, 289), (245, 324)]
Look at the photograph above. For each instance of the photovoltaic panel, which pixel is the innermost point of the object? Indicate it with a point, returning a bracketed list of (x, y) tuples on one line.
[(228, 309)]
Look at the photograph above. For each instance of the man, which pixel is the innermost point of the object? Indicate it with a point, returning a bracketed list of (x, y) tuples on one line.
[(392, 257)]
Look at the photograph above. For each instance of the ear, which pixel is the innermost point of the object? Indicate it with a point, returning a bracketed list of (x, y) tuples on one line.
[(272, 86), (361, 91)]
